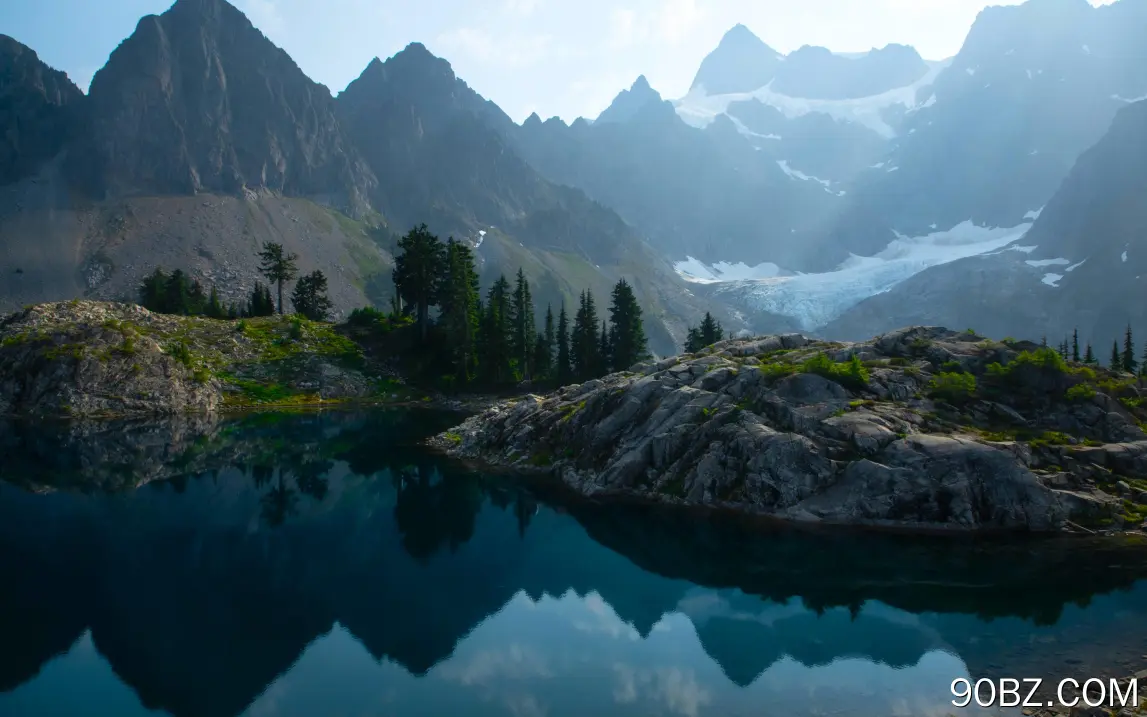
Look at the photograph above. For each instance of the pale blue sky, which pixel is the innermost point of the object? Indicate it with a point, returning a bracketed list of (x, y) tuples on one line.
[(555, 57)]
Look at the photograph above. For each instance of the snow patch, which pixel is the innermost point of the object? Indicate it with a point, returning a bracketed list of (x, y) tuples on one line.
[(797, 174), (1033, 153), (1024, 249), (893, 169), (971, 71), (742, 129), (1011, 51), (1034, 214), (1073, 267), (813, 300), (1124, 257), (1086, 50), (699, 108), (878, 165), (1129, 100), (1040, 263), (1051, 279), (481, 238), (1029, 74), (699, 273)]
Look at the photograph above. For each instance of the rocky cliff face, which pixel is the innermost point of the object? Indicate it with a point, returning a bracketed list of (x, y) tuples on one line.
[(197, 99), (39, 108), (777, 426)]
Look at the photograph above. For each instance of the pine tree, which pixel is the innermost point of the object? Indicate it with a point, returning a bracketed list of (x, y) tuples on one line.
[(310, 297), (418, 272), (1143, 361), (1129, 362), (1075, 345), (279, 266), (261, 303), (563, 371), (214, 308), (153, 291), (196, 299), (604, 363), (1064, 349), (176, 293), (460, 308), (543, 357), (522, 326), (1116, 358), (585, 343), (629, 344), (494, 355), (707, 333), (544, 360), (1043, 342), (1089, 355)]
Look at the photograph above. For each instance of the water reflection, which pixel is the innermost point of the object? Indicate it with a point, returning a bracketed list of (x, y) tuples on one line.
[(322, 564)]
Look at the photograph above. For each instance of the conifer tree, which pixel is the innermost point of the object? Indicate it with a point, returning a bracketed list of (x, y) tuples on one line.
[(1064, 351), (214, 308), (628, 342), (418, 271), (176, 294), (494, 355), (1143, 361), (604, 363), (707, 333), (1089, 355), (1043, 341), (522, 326), (196, 299), (1129, 362), (585, 343), (1116, 357), (261, 303), (153, 291), (563, 371), (459, 304), (279, 266), (545, 357), (1075, 345), (310, 296)]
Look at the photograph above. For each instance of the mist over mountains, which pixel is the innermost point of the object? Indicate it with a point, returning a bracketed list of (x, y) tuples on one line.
[(841, 195)]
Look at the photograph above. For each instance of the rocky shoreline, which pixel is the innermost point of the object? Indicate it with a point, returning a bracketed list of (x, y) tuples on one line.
[(919, 429)]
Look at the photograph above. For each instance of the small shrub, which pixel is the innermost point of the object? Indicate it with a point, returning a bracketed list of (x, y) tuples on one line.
[(181, 353), (850, 374), (953, 387), (296, 330), (952, 367), (241, 327), (201, 375), (1080, 392)]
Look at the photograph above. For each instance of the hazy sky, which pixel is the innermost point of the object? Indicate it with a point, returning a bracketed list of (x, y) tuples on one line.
[(555, 57)]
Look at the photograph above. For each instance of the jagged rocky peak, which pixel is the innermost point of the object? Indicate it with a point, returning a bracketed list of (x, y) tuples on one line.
[(37, 110), (817, 73), (630, 102), (742, 62), (1012, 28), (198, 100)]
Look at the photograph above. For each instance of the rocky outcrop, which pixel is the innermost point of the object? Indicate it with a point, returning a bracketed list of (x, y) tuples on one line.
[(919, 428), (38, 111), (85, 359), (198, 100)]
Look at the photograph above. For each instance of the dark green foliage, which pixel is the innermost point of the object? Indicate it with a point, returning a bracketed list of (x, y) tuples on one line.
[(1075, 345), (495, 356), (175, 294), (604, 351), (279, 266), (310, 296), (952, 367), (1127, 360), (214, 308), (707, 333), (418, 273), (563, 371), (955, 388), (522, 327), (261, 303), (544, 347), (585, 343), (628, 343), (1089, 356), (460, 309), (1116, 358)]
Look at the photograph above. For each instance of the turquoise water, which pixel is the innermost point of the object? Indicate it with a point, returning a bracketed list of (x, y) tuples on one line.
[(324, 565)]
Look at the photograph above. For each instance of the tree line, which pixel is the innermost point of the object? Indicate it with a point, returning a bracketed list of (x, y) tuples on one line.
[(177, 293), (1122, 356), (494, 339)]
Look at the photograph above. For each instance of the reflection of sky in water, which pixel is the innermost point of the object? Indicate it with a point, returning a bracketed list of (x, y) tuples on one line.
[(563, 656)]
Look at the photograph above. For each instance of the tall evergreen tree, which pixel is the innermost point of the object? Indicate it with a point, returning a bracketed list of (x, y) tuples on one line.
[(707, 333), (418, 272), (279, 266), (585, 343), (604, 352), (460, 306), (544, 358), (1064, 350), (310, 296), (1129, 362), (261, 303), (1143, 361), (1089, 355), (1116, 357), (177, 293), (153, 291), (522, 326), (196, 299), (1043, 341), (563, 371), (1075, 345), (629, 344), (495, 359), (214, 308)]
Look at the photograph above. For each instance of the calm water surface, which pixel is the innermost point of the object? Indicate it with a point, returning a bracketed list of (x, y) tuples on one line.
[(304, 565)]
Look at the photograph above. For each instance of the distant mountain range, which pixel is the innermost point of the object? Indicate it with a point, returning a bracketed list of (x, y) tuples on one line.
[(814, 191)]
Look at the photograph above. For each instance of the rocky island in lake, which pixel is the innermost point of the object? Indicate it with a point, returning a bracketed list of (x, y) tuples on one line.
[(917, 428)]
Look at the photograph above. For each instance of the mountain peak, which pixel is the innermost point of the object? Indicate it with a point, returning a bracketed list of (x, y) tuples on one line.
[(641, 85), (629, 102), (742, 62)]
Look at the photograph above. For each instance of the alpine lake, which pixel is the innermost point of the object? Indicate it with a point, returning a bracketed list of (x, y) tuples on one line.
[(324, 564)]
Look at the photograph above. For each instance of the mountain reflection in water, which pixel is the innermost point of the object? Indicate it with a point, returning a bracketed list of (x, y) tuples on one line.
[(305, 564)]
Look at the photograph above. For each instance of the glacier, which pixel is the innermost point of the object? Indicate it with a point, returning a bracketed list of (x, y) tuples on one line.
[(813, 300), (699, 109)]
